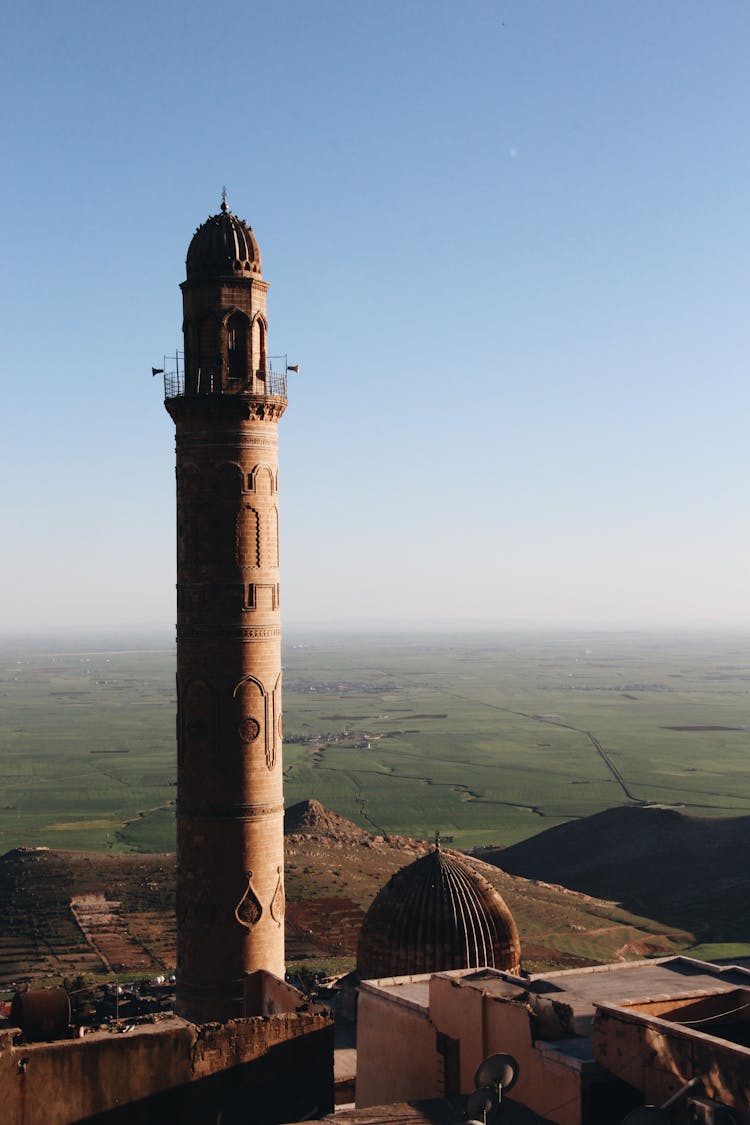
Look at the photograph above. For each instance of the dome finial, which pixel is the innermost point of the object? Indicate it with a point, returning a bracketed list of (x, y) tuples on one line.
[(223, 197)]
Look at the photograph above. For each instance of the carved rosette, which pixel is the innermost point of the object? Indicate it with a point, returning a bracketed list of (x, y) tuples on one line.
[(249, 729)]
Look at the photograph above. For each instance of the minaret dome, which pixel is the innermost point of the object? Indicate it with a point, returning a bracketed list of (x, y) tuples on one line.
[(223, 246)]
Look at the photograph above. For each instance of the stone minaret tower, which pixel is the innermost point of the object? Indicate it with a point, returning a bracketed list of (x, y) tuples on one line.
[(230, 822)]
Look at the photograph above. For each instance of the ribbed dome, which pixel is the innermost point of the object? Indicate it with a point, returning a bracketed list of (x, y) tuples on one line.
[(437, 914), (223, 246)]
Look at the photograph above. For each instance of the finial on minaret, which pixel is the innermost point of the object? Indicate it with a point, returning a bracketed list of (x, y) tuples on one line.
[(223, 197)]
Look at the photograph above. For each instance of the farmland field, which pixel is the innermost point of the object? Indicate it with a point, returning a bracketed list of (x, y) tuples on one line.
[(486, 739)]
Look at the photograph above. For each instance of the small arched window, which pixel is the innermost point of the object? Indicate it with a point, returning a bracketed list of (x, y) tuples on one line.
[(237, 346), (206, 352), (259, 345)]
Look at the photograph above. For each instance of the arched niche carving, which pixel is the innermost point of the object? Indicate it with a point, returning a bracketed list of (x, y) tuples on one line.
[(250, 709), (248, 536), (255, 717), (261, 479), (269, 536)]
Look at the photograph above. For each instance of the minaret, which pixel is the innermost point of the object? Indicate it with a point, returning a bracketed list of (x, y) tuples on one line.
[(230, 821)]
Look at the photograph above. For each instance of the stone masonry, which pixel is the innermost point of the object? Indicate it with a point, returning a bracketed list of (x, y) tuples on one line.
[(226, 406)]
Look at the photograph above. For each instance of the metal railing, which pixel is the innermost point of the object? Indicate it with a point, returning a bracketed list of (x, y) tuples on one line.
[(174, 384), (210, 383)]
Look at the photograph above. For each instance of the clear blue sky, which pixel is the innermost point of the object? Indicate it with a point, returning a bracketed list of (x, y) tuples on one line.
[(507, 242)]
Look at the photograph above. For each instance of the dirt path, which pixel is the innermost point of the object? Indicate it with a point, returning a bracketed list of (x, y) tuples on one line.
[(614, 771)]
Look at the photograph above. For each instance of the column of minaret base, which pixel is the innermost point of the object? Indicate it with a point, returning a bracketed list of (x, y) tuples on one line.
[(230, 844)]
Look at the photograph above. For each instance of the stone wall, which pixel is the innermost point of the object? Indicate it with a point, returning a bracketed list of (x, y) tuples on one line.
[(280, 1065), (397, 1054), (658, 1057)]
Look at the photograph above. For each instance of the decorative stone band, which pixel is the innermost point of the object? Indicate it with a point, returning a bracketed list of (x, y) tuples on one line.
[(202, 409), (200, 810), (231, 632), (201, 439), (251, 410)]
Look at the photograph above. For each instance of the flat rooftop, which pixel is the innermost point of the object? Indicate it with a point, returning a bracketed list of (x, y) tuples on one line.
[(412, 991), (620, 983)]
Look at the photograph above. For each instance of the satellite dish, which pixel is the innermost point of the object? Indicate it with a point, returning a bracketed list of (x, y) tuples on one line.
[(481, 1104), (646, 1115), (501, 1073)]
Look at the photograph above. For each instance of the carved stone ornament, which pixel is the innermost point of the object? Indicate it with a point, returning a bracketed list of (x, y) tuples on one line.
[(248, 910), (249, 729), (277, 902), (281, 726)]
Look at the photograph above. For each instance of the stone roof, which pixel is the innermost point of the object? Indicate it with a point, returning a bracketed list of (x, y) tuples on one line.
[(223, 246), (437, 913)]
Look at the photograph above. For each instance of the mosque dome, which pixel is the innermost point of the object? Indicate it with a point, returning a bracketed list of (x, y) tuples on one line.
[(437, 913), (223, 246)]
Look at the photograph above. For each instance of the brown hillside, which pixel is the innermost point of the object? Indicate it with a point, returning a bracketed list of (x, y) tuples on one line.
[(690, 872), (333, 871)]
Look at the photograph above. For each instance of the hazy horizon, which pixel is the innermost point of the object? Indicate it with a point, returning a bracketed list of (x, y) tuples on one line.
[(155, 637)]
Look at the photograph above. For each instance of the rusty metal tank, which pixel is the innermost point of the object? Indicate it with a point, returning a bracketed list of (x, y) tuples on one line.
[(42, 1014)]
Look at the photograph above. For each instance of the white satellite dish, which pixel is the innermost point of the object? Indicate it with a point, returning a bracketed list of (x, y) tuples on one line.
[(498, 1071)]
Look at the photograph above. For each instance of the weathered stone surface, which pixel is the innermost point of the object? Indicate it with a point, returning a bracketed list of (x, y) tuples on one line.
[(173, 1071)]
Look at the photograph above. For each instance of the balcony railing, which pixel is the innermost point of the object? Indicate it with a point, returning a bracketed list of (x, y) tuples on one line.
[(209, 382)]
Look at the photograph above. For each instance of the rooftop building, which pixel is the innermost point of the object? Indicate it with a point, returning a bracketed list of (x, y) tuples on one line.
[(591, 1044)]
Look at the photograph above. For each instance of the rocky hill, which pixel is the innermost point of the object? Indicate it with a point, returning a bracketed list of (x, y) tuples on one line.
[(689, 872), (310, 818)]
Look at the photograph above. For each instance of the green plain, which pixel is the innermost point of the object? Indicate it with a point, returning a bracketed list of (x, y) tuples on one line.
[(486, 739)]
